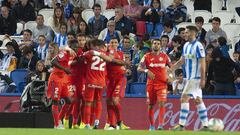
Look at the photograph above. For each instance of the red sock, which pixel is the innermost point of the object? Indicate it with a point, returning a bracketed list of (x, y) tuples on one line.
[(87, 113), (151, 116), (161, 115), (98, 110), (55, 114), (66, 117), (75, 112), (118, 109), (63, 111), (92, 116), (82, 112), (110, 110)]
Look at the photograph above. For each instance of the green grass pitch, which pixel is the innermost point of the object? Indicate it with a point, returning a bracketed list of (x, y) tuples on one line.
[(32, 131)]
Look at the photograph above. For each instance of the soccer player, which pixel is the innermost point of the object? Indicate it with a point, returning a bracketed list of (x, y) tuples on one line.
[(193, 57), (116, 85), (155, 63), (78, 81), (59, 85)]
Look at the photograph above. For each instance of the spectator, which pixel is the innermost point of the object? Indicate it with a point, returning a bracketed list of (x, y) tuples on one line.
[(83, 28), (110, 32), (41, 29), (133, 11), (236, 59), (199, 21), (40, 73), (213, 34), (8, 24), (154, 13), (176, 12), (24, 12), (98, 22), (209, 86), (220, 74), (9, 61), (181, 33), (202, 5), (179, 83), (57, 19), (67, 8), (164, 44), (51, 53), (29, 60), (123, 24), (74, 21), (71, 36), (9, 3), (137, 56), (27, 40), (42, 47), (176, 52), (169, 30), (61, 37), (112, 4), (237, 47), (223, 47), (6, 84), (126, 47)]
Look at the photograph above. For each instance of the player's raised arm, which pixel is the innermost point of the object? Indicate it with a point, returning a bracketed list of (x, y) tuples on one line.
[(56, 64)]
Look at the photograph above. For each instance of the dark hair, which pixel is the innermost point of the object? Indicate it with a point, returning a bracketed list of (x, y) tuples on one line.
[(42, 36), (156, 39), (192, 28), (40, 15), (73, 43), (97, 42), (81, 35), (177, 39), (96, 5), (210, 46), (178, 72), (168, 24), (27, 50), (222, 41), (181, 29), (28, 31), (159, 2), (199, 19), (114, 38), (71, 33), (165, 36), (63, 24), (217, 19), (217, 53)]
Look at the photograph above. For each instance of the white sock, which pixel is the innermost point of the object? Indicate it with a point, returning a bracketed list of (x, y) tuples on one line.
[(202, 113), (183, 113)]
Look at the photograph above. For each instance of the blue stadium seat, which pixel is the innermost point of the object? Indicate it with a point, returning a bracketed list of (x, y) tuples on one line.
[(138, 89), (157, 30), (19, 78)]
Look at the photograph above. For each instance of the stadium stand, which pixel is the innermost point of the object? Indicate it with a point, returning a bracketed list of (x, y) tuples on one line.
[(204, 13), (108, 13), (47, 13), (87, 14)]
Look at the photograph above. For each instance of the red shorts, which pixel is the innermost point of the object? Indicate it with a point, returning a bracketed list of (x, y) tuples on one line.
[(58, 87), (92, 93), (80, 87), (156, 93), (116, 87)]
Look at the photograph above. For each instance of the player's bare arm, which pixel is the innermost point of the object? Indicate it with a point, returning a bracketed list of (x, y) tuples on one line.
[(177, 64), (56, 64)]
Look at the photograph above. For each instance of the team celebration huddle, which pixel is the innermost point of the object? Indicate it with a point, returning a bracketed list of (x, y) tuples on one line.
[(83, 72)]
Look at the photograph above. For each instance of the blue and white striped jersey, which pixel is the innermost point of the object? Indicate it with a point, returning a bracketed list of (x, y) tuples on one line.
[(192, 52)]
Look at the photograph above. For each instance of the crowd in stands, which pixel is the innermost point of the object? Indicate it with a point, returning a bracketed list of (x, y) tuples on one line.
[(41, 43)]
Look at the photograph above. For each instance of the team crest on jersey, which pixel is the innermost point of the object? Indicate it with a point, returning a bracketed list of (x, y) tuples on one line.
[(61, 55), (111, 51), (160, 59)]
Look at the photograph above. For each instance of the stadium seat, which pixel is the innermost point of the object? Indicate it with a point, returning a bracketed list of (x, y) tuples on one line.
[(184, 24), (217, 5), (138, 89), (19, 28), (19, 78), (231, 29), (140, 28), (190, 8), (30, 25), (103, 4), (109, 13), (225, 16), (87, 14), (204, 13), (207, 26), (47, 13)]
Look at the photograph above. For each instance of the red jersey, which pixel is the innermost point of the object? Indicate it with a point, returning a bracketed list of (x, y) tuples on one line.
[(95, 69), (114, 70), (157, 65), (63, 58), (79, 69)]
